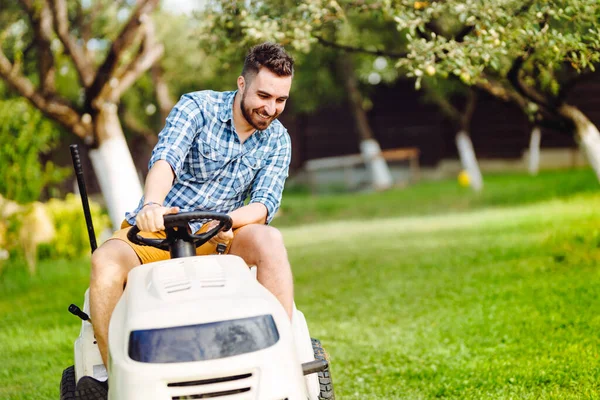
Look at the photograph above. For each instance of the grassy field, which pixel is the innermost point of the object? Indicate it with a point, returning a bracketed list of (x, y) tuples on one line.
[(492, 296), (432, 198)]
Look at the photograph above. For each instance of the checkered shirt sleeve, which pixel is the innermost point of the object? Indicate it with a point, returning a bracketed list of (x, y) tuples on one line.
[(175, 139)]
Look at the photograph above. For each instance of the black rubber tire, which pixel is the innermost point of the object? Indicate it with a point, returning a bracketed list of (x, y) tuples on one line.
[(89, 388), (325, 381), (86, 389), (67, 384)]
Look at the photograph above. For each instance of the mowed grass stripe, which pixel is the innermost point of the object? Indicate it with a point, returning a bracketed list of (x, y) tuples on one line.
[(489, 304), (495, 303)]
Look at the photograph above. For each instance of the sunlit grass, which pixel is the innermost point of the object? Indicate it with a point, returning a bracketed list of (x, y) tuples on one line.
[(496, 301)]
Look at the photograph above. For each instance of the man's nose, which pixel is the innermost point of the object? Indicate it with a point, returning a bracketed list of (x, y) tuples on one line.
[(270, 107)]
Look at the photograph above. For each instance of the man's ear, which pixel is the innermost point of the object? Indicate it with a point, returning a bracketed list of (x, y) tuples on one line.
[(241, 84)]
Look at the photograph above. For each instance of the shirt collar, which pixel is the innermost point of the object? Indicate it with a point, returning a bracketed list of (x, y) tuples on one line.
[(226, 113)]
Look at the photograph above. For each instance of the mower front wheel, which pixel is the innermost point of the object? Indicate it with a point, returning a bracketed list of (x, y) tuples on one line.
[(88, 388), (325, 381), (67, 384)]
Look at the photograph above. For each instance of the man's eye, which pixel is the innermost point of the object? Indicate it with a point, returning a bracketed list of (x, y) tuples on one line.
[(262, 96)]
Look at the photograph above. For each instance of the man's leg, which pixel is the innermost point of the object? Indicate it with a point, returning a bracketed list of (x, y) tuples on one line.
[(263, 246), (111, 263)]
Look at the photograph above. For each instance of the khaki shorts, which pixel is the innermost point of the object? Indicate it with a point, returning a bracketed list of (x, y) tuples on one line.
[(148, 254)]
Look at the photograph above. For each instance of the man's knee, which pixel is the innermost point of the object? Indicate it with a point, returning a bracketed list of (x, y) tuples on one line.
[(112, 261), (257, 243), (261, 236)]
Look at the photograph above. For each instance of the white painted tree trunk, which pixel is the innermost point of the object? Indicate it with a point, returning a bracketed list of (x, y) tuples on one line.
[(381, 177), (468, 160), (114, 167), (534, 150), (587, 135)]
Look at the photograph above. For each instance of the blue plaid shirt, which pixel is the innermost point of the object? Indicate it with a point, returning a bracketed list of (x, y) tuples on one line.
[(214, 171)]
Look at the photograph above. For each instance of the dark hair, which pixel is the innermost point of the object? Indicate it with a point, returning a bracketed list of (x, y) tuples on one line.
[(271, 56)]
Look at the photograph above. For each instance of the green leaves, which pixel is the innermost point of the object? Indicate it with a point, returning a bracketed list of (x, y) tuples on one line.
[(24, 135), (466, 40)]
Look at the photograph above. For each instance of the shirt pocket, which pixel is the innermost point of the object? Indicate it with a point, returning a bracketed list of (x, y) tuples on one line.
[(208, 162), (249, 167)]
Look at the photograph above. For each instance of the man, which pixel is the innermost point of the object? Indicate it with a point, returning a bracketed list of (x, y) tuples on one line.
[(216, 149)]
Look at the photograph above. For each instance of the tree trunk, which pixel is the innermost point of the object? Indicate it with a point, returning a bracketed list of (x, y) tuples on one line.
[(534, 151), (468, 160), (461, 121), (381, 178), (587, 135), (113, 165)]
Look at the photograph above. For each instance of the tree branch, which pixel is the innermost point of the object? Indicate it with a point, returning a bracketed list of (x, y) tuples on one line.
[(445, 105), (125, 38), (150, 51), (137, 127), (41, 22), (54, 108), (467, 115), (165, 101), (514, 77), (497, 89), (351, 49), (545, 117), (61, 25)]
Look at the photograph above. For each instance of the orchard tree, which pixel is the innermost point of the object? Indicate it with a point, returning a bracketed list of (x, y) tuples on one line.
[(362, 37), (531, 53), (325, 73), (74, 61)]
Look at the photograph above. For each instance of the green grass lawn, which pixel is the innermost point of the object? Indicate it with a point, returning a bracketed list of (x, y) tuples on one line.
[(427, 197), (480, 297)]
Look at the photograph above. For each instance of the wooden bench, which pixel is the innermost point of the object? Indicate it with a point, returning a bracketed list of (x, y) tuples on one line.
[(348, 162)]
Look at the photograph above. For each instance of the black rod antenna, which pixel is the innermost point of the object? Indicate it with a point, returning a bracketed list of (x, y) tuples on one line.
[(83, 193)]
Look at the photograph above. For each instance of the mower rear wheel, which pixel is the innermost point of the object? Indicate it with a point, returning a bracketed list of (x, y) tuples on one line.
[(325, 381)]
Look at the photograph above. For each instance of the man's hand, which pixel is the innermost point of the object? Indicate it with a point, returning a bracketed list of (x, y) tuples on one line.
[(221, 237), (150, 218)]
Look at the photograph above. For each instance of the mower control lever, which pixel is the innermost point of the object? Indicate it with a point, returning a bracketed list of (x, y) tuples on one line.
[(73, 309), (221, 248), (314, 366)]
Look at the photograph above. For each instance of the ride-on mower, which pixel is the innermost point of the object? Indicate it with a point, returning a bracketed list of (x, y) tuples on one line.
[(196, 327)]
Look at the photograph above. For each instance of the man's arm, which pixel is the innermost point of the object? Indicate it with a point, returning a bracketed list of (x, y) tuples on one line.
[(268, 184), (158, 183), (265, 195), (254, 213), (167, 161)]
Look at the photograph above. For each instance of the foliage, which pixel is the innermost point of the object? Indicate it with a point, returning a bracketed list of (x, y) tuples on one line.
[(485, 304), (472, 37), (74, 60), (72, 241), (185, 67), (480, 43), (25, 137), (97, 22), (228, 29)]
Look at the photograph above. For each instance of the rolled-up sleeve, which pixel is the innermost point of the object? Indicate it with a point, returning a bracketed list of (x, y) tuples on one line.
[(268, 184), (175, 139)]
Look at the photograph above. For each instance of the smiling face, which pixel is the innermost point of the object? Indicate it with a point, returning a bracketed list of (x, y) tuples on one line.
[(263, 97)]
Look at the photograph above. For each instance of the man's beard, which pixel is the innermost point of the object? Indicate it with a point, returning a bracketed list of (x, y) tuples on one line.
[(258, 124)]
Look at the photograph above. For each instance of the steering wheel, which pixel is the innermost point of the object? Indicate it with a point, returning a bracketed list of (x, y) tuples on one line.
[(176, 227)]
